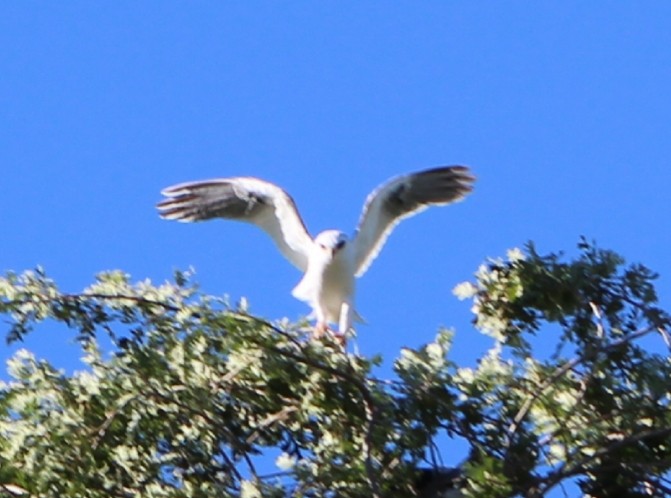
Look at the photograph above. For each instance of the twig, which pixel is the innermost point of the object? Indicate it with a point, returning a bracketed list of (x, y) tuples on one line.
[(85, 296), (230, 465), (570, 469), (665, 336), (563, 369), (102, 430), (270, 420)]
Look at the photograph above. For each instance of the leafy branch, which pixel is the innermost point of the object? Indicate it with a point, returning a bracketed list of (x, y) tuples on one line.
[(196, 398)]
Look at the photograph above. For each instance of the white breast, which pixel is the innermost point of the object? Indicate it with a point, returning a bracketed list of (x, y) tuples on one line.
[(326, 285)]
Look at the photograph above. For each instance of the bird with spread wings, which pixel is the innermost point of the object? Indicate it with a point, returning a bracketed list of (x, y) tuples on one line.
[(330, 261)]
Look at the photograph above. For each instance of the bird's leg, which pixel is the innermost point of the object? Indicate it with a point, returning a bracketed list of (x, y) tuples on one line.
[(340, 338), (344, 323), (320, 329)]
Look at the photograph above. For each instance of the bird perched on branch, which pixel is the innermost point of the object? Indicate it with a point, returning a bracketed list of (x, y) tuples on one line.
[(331, 260)]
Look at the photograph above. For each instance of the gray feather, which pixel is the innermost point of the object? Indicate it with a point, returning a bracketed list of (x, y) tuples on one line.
[(244, 199), (402, 197)]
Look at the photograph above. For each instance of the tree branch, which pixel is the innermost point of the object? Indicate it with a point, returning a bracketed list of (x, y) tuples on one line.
[(562, 370)]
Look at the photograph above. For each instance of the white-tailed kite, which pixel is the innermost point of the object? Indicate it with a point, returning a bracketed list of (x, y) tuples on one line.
[(330, 261)]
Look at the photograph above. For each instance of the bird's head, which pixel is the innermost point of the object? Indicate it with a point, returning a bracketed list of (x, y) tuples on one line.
[(330, 242)]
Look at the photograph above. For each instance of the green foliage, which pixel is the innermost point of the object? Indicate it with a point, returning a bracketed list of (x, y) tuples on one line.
[(598, 407), (194, 396)]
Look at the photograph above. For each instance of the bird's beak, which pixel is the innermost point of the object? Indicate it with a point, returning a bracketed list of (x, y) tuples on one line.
[(335, 249)]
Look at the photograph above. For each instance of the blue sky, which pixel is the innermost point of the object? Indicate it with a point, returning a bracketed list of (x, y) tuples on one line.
[(562, 109)]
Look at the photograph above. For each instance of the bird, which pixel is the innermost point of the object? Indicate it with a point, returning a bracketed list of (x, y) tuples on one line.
[(331, 261)]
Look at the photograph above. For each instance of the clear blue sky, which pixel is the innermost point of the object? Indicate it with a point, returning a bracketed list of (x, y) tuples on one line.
[(562, 109)]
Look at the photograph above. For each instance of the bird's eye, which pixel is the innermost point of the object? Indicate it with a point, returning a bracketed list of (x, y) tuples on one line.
[(340, 245), (322, 246)]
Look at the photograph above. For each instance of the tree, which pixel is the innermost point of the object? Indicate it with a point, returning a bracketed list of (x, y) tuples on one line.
[(197, 396)]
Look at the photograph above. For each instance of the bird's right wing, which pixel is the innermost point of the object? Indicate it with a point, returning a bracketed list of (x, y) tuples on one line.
[(244, 199)]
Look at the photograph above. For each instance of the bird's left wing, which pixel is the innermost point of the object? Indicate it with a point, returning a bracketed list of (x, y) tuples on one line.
[(401, 197), (244, 199)]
